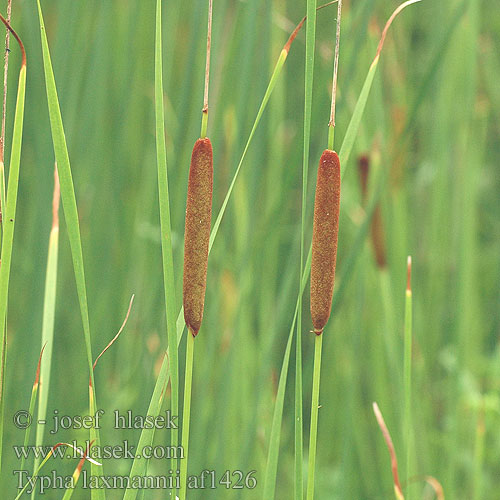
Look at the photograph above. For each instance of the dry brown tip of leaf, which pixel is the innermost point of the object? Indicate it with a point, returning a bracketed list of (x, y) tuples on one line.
[(197, 233), (325, 238), (292, 37), (37, 376), (390, 446), (113, 340), (79, 467), (55, 199), (389, 22), (408, 274)]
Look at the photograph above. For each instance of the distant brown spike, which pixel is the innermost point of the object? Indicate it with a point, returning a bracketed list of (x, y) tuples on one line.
[(325, 237), (364, 167), (197, 233), (378, 238), (377, 225)]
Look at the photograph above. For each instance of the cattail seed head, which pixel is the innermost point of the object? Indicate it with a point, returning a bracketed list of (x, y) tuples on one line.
[(325, 237), (197, 233)]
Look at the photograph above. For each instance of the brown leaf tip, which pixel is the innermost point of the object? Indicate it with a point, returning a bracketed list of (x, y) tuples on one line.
[(390, 446), (408, 274)]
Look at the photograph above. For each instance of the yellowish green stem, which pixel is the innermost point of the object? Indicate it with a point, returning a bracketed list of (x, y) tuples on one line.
[(331, 136), (407, 384), (313, 437), (186, 416), (204, 123)]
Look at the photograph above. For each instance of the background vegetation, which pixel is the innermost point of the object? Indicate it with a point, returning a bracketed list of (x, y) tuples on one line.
[(432, 122)]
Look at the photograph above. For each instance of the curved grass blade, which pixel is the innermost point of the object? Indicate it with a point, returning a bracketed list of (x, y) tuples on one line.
[(398, 492), (49, 306), (46, 459), (72, 222), (359, 109), (76, 474), (9, 216)]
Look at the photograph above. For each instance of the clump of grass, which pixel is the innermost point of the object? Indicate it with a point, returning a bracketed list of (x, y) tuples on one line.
[(147, 435), (72, 223)]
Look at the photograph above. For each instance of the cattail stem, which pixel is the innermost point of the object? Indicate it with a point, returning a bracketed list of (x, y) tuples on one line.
[(407, 375), (313, 436), (186, 417), (331, 136), (335, 73), (204, 117), (204, 124)]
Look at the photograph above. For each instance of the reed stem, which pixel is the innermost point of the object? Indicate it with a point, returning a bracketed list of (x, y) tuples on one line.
[(313, 437), (204, 118), (407, 376), (186, 416)]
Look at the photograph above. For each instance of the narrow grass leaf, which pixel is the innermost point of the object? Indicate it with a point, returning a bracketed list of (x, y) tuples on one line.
[(308, 90), (46, 459), (31, 410), (76, 474), (49, 306), (72, 222), (9, 216), (359, 109), (166, 229), (275, 436)]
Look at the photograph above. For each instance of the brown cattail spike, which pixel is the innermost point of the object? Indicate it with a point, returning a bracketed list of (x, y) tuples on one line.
[(197, 233), (325, 236)]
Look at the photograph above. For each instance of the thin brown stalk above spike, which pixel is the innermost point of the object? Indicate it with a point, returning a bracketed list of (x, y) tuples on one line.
[(197, 233), (325, 237)]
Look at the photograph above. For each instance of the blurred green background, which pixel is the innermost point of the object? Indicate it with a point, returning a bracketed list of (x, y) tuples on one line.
[(432, 122)]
